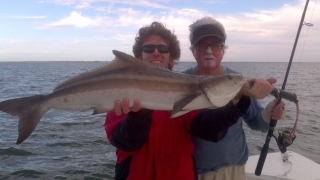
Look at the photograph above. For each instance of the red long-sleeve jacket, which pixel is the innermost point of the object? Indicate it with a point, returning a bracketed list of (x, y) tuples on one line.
[(156, 147)]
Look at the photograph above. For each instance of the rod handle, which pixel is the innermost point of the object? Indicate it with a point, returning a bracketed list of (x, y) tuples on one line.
[(262, 158)]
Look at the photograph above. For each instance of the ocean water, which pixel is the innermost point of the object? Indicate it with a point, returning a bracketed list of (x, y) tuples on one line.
[(73, 145)]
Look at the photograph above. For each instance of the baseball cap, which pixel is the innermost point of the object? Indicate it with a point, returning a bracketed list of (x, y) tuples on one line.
[(213, 28)]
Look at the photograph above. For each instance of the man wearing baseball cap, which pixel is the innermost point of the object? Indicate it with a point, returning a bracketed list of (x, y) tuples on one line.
[(224, 160)]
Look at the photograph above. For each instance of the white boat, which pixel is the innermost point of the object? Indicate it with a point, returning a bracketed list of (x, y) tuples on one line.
[(278, 166)]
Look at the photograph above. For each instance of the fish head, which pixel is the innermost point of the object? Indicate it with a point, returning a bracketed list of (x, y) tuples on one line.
[(221, 89)]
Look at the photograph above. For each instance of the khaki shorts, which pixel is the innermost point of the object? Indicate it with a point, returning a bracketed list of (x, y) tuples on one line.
[(226, 173)]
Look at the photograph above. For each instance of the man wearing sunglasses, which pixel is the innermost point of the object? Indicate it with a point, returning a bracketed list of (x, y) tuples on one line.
[(225, 159), (151, 145)]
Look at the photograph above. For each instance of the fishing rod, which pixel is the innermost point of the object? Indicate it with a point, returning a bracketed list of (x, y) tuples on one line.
[(286, 138)]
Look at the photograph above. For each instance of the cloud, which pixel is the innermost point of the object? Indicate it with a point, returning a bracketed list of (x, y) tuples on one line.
[(22, 17), (214, 2), (63, 2), (124, 38), (272, 26), (83, 5), (262, 33), (14, 41), (269, 35), (80, 4), (77, 20)]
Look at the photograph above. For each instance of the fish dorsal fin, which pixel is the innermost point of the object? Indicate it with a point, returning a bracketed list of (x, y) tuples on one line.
[(128, 60), (122, 60)]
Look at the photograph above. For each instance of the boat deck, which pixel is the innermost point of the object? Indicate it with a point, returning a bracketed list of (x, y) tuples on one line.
[(275, 168)]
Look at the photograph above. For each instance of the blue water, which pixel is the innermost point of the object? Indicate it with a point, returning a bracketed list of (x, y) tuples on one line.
[(73, 145)]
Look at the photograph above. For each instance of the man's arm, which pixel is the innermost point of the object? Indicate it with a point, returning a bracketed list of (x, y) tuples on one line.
[(213, 124), (253, 117), (127, 127), (258, 118), (132, 132)]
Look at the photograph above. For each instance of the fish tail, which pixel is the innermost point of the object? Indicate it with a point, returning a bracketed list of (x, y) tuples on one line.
[(29, 110)]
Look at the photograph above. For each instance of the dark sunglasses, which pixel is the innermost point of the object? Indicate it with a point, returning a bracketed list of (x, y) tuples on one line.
[(150, 48), (214, 47)]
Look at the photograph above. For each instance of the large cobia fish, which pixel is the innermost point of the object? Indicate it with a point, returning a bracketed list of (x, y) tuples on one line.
[(126, 76)]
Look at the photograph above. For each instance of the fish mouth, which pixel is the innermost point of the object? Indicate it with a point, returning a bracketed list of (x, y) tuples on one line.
[(248, 83)]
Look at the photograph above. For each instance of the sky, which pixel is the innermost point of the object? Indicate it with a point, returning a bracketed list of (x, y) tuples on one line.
[(88, 30)]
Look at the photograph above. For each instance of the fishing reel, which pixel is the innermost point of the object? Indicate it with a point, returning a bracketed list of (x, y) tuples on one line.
[(284, 140)]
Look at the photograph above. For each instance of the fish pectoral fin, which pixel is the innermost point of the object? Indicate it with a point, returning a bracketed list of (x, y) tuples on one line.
[(178, 114), (179, 105), (99, 110)]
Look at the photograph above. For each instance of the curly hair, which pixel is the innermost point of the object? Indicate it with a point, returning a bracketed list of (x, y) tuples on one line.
[(157, 28)]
